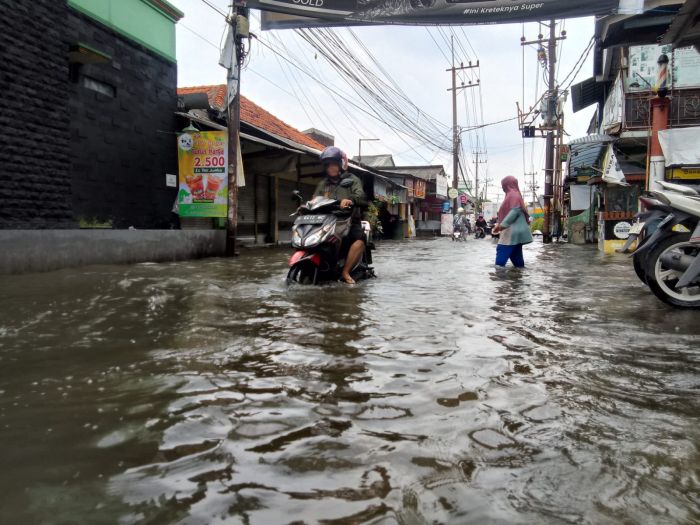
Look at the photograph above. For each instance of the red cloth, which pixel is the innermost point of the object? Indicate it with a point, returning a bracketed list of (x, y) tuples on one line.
[(513, 198)]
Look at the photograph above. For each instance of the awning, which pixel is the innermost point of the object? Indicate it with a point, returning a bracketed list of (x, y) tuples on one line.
[(681, 146), (586, 153), (685, 28), (587, 93)]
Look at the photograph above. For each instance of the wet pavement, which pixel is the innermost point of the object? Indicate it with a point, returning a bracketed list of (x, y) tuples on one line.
[(443, 392)]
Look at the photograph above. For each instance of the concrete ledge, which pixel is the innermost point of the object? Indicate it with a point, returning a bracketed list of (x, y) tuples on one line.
[(24, 251)]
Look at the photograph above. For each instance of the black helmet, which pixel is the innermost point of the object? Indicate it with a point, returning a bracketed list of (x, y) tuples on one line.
[(334, 155)]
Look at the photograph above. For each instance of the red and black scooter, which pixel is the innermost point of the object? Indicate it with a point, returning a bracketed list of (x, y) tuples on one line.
[(318, 236)]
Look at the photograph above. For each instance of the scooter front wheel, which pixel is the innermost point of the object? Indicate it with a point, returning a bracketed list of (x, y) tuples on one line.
[(662, 278)]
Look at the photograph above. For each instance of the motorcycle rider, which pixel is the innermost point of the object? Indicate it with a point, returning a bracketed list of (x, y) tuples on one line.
[(480, 223), (342, 186), (459, 221)]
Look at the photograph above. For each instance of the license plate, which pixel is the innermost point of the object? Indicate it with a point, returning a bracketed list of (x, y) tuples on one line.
[(311, 219), (636, 228)]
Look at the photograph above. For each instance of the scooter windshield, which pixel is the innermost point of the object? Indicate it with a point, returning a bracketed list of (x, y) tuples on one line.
[(319, 202)]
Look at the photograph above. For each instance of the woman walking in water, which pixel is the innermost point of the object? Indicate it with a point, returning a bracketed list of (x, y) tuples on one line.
[(513, 225)]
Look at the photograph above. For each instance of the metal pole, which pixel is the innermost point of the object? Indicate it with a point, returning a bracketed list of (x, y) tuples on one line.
[(234, 124), (359, 150), (551, 121), (455, 132), (476, 183)]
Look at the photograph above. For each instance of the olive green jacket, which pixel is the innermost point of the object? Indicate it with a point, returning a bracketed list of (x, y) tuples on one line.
[(347, 186)]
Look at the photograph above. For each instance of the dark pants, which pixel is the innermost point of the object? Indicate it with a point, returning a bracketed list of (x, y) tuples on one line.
[(514, 253)]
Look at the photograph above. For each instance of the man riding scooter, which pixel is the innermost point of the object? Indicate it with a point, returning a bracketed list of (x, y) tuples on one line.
[(347, 189), (459, 223)]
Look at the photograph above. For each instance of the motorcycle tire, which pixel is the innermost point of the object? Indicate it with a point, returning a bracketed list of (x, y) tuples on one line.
[(663, 288), (639, 263)]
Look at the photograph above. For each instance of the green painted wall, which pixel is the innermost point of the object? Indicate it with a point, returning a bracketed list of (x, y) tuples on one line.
[(138, 20)]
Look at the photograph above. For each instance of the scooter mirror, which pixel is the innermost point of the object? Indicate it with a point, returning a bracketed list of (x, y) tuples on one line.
[(296, 195)]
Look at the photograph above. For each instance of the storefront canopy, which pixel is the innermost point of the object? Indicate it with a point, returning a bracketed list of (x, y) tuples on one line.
[(681, 146)]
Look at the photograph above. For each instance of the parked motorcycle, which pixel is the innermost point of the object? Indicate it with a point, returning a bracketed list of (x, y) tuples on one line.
[(317, 235), (653, 212), (667, 257)]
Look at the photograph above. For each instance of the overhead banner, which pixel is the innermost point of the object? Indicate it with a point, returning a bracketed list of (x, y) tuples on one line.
[(202, 160), (285, 14)]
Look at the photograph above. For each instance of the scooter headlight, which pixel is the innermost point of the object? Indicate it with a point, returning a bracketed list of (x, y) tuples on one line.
[(296, 239), (319, 236)]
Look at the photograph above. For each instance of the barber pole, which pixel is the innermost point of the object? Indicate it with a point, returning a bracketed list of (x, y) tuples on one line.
[(660, 106)]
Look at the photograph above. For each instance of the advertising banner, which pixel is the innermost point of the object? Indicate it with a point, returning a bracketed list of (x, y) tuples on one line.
[(281, 14), (643, 67), (419, 189), (203, 181)]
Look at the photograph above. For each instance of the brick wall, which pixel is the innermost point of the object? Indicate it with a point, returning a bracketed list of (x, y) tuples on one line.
[(70, 152), (122, 146), (35, 189)]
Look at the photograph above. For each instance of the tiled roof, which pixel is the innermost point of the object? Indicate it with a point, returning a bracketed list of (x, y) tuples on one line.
[(253, 114)]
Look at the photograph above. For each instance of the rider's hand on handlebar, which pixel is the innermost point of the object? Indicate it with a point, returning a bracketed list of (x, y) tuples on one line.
[(345, 203)]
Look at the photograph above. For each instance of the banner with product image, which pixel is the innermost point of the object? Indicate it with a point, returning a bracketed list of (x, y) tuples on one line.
[(203, 182)]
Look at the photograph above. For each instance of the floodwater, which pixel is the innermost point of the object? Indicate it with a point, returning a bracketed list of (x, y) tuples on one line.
[(208, 392)]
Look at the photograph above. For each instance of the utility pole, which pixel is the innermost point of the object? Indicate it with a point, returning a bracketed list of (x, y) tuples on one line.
[(476, 178), (532, 185), (552, 123), (455, 128), (359, 148), (232, 58), (551, 120)]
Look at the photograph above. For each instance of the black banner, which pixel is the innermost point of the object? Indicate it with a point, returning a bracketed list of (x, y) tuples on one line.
[(280, 14)]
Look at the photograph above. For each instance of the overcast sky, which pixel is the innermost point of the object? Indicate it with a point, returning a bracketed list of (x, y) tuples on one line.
[(412, 58)]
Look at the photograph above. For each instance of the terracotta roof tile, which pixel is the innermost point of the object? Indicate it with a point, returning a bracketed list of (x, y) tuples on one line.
[(253, 114)]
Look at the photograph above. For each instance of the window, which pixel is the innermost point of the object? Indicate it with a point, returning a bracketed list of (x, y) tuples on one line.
[(99, 86)]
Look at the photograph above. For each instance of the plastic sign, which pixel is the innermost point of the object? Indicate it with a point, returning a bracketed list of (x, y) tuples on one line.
[(203, 181), (452, 193), (315, 13)]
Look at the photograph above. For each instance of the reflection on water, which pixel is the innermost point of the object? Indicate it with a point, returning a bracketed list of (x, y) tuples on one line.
[(442, 392)]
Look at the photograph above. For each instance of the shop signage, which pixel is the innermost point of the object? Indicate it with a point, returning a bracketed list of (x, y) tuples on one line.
[(614, 107), (419, 189), (315, 13), (643, 67), (622, 230), (452, 193), (203, 182)]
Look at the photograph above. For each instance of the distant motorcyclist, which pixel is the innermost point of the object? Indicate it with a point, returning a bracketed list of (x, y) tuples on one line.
[(346, 188), (481, 222), (460, 220)]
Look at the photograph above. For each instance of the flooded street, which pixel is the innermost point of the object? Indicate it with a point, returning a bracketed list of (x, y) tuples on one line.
[(209, 392)]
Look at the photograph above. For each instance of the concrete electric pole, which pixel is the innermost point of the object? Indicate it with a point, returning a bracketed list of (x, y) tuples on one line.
[(455, 128), (552, 124), (232, 58)]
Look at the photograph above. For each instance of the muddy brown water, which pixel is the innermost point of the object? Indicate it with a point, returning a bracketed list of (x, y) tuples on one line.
[(208, 392)]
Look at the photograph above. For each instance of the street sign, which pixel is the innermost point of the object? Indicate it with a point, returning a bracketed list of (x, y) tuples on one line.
[(452, 193)]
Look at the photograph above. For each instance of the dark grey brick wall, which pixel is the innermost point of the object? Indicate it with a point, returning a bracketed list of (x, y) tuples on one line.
[(121, 147), (70, 152), (35, 189)]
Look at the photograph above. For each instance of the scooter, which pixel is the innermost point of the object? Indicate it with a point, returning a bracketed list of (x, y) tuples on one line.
[(459, 235), (647, 222), (317, 236), (668, 251)]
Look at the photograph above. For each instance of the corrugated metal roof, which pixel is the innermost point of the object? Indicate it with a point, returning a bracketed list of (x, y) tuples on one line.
[(421, 172), (376, 161)]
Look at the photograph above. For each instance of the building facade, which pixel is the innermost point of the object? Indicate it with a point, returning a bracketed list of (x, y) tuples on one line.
[(87, 96)]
